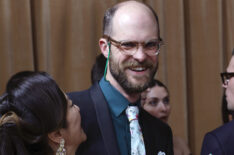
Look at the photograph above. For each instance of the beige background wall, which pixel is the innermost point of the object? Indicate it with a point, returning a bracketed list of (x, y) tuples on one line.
[(61, 36)]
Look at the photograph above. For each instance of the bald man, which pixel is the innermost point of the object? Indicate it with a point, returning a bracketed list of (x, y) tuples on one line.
[(131, 43)]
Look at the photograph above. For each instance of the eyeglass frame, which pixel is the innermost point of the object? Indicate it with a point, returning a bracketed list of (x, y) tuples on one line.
[(118, 45), (226, 76)]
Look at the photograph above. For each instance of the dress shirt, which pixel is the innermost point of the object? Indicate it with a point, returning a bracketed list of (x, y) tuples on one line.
[(117, 104)]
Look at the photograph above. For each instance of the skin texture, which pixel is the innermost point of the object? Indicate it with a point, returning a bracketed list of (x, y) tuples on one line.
[(157, 103), (73, 134), (230, 86), (131, 75)]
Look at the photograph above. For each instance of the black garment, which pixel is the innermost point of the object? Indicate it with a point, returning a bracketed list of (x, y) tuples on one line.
[(98, 126), (219, 141)]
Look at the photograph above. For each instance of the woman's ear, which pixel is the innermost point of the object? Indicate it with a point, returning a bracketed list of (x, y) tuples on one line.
[(55, 136), (103, 44)]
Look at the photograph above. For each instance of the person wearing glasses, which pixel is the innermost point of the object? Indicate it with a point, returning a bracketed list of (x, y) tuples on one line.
[(114, 122), (220, 141)]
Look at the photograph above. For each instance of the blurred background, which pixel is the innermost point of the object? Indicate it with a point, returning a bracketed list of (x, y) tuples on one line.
[(61, 38)]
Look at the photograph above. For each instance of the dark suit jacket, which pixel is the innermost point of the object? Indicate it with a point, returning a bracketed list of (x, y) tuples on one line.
[(219, 141), (98, 126)]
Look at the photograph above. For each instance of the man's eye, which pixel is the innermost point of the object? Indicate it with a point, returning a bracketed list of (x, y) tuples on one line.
[(151, 45), (128, 45)]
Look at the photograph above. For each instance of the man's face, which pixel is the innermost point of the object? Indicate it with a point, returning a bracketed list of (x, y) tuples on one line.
[(134, 72), (230, 86)]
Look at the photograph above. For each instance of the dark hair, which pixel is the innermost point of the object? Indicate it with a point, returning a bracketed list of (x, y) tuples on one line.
[(32, 106), (156, 82), (152, 84), (107, 20), (109, 14), (98, 68)]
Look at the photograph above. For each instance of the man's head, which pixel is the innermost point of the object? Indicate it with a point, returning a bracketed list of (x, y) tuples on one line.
[(131, 28), (109, 14), (228, 83)]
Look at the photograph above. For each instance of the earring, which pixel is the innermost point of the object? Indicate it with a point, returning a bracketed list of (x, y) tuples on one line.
[(61, 150)]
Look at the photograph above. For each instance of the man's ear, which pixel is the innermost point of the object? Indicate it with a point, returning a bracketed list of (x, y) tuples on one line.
[(55, 136), (103, 44)]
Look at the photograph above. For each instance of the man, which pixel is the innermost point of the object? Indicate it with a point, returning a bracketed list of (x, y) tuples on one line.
[(220, 141), (131, 42)]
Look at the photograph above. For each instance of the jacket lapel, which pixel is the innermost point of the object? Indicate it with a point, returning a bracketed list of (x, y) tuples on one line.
[(104, 120)]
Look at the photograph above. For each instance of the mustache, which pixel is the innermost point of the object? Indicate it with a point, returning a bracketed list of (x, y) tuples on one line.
[(133, 63)]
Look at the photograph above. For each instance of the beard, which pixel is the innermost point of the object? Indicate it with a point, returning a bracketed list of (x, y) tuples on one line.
[(121, 77)]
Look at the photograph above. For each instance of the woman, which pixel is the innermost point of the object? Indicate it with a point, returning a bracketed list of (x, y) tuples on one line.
[(37, 117), (155, 100)]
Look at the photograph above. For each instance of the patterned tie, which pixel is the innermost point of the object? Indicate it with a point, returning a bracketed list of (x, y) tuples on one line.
[(137, 142)]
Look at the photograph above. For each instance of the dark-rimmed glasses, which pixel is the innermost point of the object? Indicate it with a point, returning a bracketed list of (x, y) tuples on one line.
[(226, 76), (151, 47)]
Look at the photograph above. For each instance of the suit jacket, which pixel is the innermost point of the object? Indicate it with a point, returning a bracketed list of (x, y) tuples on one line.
[(219, 141), (98, 126)]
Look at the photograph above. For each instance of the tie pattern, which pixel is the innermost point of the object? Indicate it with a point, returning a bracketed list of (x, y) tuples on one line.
[(137, 142)]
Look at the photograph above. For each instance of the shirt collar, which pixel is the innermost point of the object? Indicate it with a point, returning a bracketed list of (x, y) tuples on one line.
[(116, 101)]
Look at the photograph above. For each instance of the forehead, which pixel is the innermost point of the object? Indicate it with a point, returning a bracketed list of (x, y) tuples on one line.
[(157, 92), (132, 20), (230, 67)]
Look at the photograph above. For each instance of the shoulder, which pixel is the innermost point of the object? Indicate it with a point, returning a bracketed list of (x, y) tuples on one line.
[(216, 140), (228, 127), (78, 95), (85, 99), (224, 131)]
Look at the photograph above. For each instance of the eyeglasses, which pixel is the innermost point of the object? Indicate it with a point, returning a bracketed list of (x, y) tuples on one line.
[(226, 76), (151, 47)]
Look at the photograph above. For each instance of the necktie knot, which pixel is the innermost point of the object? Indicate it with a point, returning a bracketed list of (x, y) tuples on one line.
[(132, 113)]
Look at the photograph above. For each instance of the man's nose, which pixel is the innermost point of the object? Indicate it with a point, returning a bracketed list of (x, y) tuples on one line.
[(140, 55)]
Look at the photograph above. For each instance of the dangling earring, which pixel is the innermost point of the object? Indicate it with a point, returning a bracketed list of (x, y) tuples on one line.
[(61, 150)]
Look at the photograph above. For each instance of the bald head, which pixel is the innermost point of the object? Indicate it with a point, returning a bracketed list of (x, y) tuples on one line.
[(133, 11)]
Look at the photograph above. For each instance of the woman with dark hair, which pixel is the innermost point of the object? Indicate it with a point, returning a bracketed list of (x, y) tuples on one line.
[(98, 69), (156, 101), (37, 117)]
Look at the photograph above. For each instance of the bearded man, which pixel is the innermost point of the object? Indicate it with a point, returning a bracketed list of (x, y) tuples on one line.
[(131, 43)]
